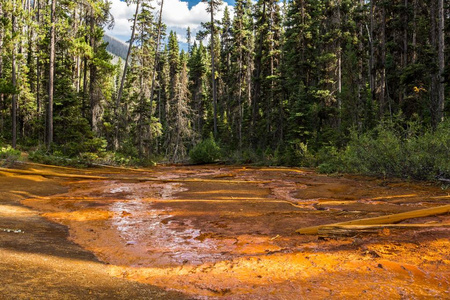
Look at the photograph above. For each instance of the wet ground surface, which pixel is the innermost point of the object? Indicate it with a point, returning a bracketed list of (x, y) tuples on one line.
[(229, 232)]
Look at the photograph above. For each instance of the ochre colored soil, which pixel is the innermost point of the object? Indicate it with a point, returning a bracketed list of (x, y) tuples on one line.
[(40, 262), (216, 232)]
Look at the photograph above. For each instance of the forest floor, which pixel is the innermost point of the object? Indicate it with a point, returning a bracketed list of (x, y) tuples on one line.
[(207, 232)]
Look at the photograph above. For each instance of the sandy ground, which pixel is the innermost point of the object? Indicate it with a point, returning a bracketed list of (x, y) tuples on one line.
[(216, 232)]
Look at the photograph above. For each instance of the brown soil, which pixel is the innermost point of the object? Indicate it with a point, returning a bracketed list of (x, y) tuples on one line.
[(216, 236)]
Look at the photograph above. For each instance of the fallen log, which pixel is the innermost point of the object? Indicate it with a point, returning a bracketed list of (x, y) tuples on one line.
[(444, 179), (351, 230), (389, 219)]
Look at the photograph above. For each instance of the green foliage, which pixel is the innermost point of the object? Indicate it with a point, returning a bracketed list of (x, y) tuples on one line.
[(9, 154), (389, 151), (207, 151), (295, 153), (44, 157)]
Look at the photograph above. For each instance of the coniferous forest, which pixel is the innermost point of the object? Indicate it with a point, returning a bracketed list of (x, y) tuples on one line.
[(342, 85)]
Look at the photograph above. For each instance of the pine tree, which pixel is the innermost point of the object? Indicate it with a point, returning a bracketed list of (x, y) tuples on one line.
[(242, 64), (213, 6)]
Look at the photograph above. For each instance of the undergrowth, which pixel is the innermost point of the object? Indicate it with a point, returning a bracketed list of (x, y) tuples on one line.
[(207, 151), (393, 151), (8, 155)]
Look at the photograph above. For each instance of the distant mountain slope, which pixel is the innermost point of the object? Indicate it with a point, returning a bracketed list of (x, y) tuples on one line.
[(116, 47)]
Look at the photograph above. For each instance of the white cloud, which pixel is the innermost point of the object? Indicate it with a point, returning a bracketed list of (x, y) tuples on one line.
[(121, 13), (176, 15)]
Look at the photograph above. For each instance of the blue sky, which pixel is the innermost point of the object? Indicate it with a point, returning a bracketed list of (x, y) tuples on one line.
[(177, 15), (194, 2)]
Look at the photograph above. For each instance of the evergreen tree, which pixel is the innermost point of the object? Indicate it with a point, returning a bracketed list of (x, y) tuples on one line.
[(213, 6), (242, 66)]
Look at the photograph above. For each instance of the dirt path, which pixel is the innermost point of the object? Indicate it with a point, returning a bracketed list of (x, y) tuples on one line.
[(224, 232)]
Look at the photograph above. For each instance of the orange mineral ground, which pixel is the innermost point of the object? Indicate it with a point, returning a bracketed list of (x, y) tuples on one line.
[(228, 232)]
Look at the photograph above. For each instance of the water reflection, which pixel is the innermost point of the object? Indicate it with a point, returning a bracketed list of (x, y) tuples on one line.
[(166, 242)]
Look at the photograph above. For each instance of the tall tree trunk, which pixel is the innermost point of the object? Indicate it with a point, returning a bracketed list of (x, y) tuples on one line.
[(93, 88), (382, 96), (1, 69), (13, 75), (405, 35), (361, 79), (152, 89), (122, 81), (50, 77), (339, 68), (240, 94), (414, 36), (434, 106), (402, 93), (213, 72), (38, 63), (84, 98), (441, 62), (76, 58), (257, 84), (371, 58)]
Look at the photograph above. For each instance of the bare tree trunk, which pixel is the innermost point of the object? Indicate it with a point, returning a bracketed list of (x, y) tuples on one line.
[(93, 94), (76, 70), (213, 72), (441, 62), (141, 118), (414, 37), (382, 96), (371, 59), (361, 80), (83, 100), (158, 38), (435, 76), (405, 36), (38, 64), (339, 69), (1, 68), (122, 81), (257, 84), (240, 95), (13, 75), (50, 77)]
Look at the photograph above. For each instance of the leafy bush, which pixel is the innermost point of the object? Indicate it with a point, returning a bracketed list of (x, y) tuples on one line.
[(84, 145), (374, 153), (9, 154), (57, 158), (428, 155), (389, 151), (207, 151), (296, 153), (330, 160)]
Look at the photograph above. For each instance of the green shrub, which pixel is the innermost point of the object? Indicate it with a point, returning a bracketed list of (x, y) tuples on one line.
[(296, 153), (389, 151), (207, 151), (57, 158), (428, 155), (329, 160), (9, 154), (374, 153)]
